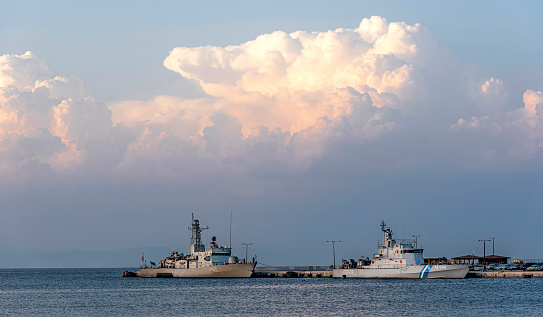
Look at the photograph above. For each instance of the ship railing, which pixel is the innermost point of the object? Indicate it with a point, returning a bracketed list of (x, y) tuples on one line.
[(406, 242), (389, 266)]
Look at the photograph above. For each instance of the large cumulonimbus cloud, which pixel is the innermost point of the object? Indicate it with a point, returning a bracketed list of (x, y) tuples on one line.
[(46, 120), (389, 94)]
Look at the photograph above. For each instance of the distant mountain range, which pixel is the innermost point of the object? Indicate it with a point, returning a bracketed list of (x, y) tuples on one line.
[(128, 258)]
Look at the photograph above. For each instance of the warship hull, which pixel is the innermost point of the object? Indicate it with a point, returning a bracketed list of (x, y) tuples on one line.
[(218, 271), (415, 271)]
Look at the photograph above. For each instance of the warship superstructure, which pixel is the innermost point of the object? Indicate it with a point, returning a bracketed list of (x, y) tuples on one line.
[(398, 258), (216, 261)]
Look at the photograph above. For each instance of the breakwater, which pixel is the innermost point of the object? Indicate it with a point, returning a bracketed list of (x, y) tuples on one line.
[(505, 274), (294, 271)]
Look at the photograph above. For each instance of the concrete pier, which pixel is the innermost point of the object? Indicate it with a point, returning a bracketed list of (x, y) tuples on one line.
[(505, 274), (297, 271)]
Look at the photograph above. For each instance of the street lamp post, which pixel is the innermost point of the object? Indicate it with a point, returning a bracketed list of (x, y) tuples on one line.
[(493, 245), (334, 250), (484, 253), (246, 249)]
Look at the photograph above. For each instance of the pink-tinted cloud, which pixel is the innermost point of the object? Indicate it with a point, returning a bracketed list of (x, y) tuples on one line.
[(389, 94), (46, 119)]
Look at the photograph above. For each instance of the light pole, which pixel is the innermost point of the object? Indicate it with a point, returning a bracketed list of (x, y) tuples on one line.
[(246, 249), (334, 250), (484, 253), (493, 245)]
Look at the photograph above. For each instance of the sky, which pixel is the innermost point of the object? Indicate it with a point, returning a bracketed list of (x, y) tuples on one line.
[(308, 121)]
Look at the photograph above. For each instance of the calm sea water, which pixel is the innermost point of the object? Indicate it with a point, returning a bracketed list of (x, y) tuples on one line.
[(103, 292)]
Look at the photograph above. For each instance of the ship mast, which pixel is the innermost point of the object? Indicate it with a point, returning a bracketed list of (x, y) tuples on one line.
[(196, 238), (388, 233)]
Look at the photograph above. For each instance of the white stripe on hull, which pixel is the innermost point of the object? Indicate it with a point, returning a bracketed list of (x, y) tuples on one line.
[(224, 271), (415, 271)]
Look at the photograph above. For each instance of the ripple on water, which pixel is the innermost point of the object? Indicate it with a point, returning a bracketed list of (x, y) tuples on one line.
[(103, 292)]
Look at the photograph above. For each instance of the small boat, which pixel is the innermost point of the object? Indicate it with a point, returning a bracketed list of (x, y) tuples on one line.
[(399, 258)]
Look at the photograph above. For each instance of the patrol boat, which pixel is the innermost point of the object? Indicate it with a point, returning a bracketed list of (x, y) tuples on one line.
[(216, 261), (399, 258)]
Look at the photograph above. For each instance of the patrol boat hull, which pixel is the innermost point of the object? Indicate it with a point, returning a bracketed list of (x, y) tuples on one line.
[(237, 270), (398, 258), (408, 272)]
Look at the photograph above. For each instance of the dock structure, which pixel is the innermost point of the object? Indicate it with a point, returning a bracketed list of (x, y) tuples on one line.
[(505, 274), (294, 271)]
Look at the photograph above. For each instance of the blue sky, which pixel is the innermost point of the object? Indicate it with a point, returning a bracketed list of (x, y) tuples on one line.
[(126, 117)]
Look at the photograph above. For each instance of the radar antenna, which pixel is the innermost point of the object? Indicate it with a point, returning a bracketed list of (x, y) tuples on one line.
[(415, 242), (383, 225), (196, 238)]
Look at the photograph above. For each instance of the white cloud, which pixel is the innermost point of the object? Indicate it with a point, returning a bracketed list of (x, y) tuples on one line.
[(22, 71), (533, 102), (344, 83), (388, 57), (509, 138), (45, 118), (283, 100)]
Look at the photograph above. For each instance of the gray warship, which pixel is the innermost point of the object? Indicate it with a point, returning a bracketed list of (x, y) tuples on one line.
[(215, 262)]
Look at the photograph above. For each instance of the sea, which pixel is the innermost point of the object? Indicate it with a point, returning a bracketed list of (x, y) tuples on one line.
[(103, 292)]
